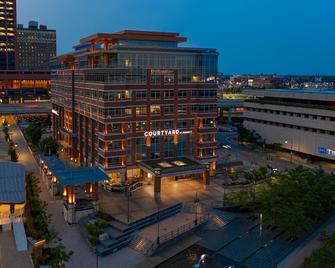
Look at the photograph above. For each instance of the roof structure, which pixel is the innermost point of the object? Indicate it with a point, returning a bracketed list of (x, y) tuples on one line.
[(68, 176), (12, 183), (173, 167)]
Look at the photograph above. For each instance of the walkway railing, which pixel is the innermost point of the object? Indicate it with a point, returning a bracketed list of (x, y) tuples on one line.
[(176, 233)]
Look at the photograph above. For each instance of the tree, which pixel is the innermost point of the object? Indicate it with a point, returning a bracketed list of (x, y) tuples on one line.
[(49, 146), (248, 176), (233, 175), (260, 173), (34, 133), (293, 200)]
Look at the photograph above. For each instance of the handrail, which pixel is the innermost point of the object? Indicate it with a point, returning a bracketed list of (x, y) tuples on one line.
[(176, 232)]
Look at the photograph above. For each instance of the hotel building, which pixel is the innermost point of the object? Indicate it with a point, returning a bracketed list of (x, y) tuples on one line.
[(7, 34), (36, 45), (300, 120), (137, 105)]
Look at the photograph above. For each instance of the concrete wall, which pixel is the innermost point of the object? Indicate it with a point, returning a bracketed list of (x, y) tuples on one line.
[(303, 141)]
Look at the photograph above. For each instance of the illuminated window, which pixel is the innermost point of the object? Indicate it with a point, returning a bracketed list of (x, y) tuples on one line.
[(156, 109)]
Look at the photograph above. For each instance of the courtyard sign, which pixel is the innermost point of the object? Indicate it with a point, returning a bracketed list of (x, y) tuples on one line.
[(169, 132)]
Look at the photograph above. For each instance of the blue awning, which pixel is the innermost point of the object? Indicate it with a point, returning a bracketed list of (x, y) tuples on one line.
[(68, 176), (12, 183)]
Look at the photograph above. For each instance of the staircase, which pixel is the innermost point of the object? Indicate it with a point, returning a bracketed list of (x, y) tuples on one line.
[(218, 221), (141, 245), (121, 234)]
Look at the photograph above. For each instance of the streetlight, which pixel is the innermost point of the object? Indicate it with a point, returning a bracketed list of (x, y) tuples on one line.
[(158, 224), (128, 193), (286, 142), (196, 202)]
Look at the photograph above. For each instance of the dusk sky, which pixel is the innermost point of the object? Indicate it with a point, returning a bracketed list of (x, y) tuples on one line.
[(252, 36)]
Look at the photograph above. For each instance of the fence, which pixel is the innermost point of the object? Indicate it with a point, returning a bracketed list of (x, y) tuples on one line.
[(176, 233)]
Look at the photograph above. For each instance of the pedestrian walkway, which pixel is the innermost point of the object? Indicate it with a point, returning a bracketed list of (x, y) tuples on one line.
[(3, 146), (9, 256), (297, 257)]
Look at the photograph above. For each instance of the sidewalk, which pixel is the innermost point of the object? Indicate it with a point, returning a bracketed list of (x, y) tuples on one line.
[(3, 147), (313, 242)]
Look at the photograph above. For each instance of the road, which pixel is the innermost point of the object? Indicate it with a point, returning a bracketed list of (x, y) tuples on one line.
[(250, 156)]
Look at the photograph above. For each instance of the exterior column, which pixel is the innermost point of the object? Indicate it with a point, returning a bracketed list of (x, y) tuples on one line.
[(205, 177), (157, 186), (123, 178), (95, 196)]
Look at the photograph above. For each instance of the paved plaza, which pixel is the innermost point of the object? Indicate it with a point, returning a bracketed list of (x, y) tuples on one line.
[(143, 203), (9, 256)]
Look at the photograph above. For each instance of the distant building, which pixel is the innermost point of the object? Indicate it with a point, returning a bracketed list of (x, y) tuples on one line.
[(20, 87), (7, 34), (35, 46), (12, 194), (300, 120), (255, 81)]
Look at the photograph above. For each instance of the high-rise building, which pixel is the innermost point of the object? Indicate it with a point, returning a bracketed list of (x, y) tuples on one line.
[(7, 34), (36, 45), (137, 105)]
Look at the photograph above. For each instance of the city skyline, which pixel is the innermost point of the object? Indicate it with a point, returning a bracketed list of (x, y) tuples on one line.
[(253, 38)]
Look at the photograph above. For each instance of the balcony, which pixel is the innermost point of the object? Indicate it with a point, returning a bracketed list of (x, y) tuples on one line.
[(112, 152), (111, 136)]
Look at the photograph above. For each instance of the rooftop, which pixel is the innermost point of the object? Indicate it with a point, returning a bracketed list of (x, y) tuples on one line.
[(134, 35), (68, 176), (12, 183), (312, 94), (173, 166)]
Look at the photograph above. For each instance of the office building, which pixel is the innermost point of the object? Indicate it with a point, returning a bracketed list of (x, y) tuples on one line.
[(36, 45), (300, 120), (7, 34), (137, 105)]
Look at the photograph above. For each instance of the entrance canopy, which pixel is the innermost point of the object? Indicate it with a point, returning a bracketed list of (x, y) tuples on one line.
[(67, 176), (173, 167)]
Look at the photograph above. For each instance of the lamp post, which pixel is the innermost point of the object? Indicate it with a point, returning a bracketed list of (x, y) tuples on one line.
[(286, 142), (158, 240), (196, 202), (128, 203)]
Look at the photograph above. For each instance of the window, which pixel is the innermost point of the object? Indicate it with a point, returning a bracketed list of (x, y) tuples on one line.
[(168, 94), (155, 94), (169, 79), (155, 109), (182, 108), (140, 95), (182, 93), (168, 109), (141, 110)]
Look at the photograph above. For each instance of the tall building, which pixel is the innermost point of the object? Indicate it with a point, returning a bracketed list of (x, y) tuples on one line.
[(7, 34), (36, 45), (300, 120), (137, 105)]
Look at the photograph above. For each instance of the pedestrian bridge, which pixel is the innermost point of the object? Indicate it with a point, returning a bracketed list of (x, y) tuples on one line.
[(25, 109)]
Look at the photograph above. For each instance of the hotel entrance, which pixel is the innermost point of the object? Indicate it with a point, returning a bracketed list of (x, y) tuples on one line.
[(174, 170)]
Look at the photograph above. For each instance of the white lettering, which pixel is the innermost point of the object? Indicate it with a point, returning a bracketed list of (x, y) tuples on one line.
[(168, 132)]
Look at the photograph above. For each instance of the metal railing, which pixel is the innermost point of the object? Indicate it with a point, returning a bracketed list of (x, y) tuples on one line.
[(176, 233)]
